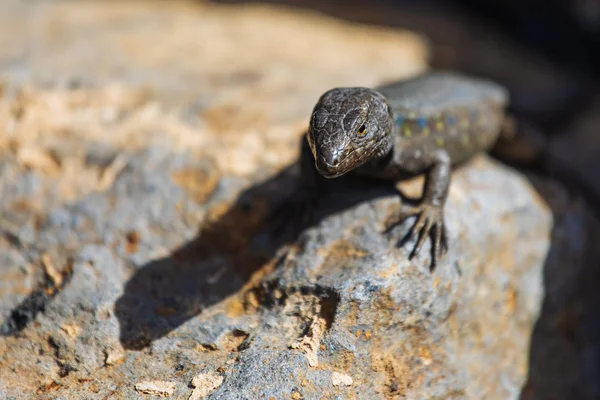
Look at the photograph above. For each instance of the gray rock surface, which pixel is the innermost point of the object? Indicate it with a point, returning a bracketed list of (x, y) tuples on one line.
[(342, 289), (136, 253)]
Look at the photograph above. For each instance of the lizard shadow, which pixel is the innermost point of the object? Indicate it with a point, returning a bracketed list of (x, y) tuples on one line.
[(225, 254), (229, 249)]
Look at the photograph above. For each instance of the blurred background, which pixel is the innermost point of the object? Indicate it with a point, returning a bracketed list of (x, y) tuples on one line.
[(83, 82), (545, 52)]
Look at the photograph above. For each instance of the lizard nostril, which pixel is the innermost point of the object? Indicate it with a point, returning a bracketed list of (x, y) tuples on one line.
[(335, 160)]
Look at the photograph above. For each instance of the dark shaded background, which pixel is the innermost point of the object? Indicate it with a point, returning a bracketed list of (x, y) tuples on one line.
[(546, 52)]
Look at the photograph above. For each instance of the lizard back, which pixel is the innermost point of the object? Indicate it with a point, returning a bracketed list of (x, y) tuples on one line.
[(462, 115)]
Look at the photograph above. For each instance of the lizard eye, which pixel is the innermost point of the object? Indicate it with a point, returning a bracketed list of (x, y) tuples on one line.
[(362, 130)]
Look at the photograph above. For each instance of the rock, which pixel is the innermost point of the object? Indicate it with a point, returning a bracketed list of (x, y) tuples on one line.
[(156, 388), (339, 379), (114, 356), (310, 343), (204, 384), (105, 172), (390, 324), (135, 241)]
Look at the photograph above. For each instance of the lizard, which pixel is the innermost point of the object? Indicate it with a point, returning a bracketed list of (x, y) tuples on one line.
[(426, 124)]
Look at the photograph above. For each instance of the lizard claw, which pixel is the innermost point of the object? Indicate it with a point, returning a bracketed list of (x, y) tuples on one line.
[(430, 222)]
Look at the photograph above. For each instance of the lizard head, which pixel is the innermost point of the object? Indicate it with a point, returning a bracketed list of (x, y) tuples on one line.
[(348, 127)]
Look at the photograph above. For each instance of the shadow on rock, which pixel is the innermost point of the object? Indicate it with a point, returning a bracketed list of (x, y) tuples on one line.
[(227, 251)]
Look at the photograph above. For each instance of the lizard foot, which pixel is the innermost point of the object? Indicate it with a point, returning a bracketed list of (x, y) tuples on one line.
[(430, 222)]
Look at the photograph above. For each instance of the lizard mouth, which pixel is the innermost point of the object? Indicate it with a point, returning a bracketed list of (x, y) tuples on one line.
[(342, 167), (328, 170), (333, 174)]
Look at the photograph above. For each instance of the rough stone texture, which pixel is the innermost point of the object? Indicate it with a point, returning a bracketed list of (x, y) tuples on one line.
[(204, 384), (156, 388), (135, 247)]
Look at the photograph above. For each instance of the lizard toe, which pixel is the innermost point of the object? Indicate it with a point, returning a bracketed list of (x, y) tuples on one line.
[(430, 223)]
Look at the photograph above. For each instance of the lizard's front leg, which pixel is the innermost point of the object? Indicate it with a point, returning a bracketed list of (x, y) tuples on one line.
[(430, 211)]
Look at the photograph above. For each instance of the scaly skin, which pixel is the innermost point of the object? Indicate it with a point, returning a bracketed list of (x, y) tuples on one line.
[(425, 124)]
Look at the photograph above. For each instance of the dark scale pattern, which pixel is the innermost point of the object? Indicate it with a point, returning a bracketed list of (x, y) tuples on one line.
[(423, 125)]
